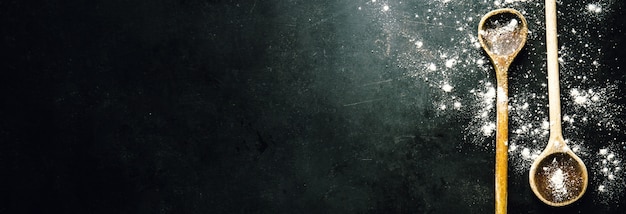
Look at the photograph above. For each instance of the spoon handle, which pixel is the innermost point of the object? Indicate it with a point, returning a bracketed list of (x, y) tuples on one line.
[(502, 132), (554, 94)]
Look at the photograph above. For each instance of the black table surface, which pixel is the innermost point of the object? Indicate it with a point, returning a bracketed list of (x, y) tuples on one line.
[(285, 106)]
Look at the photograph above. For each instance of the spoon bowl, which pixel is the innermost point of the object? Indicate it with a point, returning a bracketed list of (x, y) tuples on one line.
[(502, 34), (558, 177)]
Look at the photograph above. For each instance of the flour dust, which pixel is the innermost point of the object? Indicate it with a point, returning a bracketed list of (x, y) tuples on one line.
[(456, 68)]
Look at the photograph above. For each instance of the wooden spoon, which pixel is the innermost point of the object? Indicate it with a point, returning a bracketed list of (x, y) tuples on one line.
[(502, 34), (558, 177)]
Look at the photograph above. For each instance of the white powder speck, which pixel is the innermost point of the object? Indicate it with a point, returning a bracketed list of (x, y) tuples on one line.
[(511, 26), (576, 148), (545, 125), (447, 87), (604, 151), (432, 67), (513, 1), (419, 44), (477, 45), (594, 8), (489, 95), (534, 155), (525, 106), (595, 63), (567, 118), (488, 129), (580, 100), (526, 153), (457, 105), (450, 63)]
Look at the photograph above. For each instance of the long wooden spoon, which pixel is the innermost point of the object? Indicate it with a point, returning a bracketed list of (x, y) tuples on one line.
[(502, 34), (558, 177)]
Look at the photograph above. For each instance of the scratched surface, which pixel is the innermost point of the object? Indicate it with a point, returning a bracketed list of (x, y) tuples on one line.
[(262, 107)]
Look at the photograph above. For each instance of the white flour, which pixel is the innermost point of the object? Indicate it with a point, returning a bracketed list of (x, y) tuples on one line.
[(447, 87), (511, 26), (610, 167), (594, 8), (455, 66), (557, 184), (501, 38)]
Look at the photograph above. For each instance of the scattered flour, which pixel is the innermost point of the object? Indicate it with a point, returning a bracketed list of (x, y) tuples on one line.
[(447, 87), (432, 67), (457, 105), (489, 128), (594, 8), (463, 76), (450, 63), (419, 44), (610, 166)]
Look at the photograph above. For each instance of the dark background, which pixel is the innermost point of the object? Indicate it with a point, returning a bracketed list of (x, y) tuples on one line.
[(194, 106)]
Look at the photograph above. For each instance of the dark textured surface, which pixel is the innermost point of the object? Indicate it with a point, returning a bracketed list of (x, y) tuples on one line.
[(226, 107)]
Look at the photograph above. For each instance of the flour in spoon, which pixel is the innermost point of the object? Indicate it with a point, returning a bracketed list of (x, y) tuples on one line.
[(557, 184), (503, 38)]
